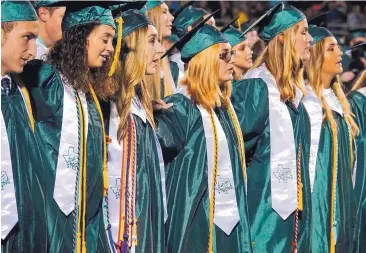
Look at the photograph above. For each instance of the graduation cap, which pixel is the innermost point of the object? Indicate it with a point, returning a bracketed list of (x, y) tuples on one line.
[(152, 4), (319, 33), (128, 18), (276, 20), (359, 32), (185, 18), (180, 9), (233, 34), (198, 39), (124, 6), (48, 3), (359, 46), (82, 12), (12, 11)]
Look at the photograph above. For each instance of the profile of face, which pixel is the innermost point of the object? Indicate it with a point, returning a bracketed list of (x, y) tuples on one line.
[(226, 63), (155, 50), (166, 21), (303, 40), (52, 23), (18, 46), (332, 63), (99, 45), (243, 56)]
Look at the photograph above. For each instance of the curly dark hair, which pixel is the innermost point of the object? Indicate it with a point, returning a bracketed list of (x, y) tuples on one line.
[(70, 57)]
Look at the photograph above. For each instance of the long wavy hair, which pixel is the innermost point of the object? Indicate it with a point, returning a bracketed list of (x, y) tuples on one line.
[(202, 80), (70, 57), (285, 65), (130, 78), (313, 70), (360, 82), (154, 15)]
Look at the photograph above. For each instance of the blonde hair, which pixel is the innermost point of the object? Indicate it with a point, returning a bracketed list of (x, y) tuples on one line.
[(313, 66), (284, 64), (130, 74), (360, 82), (202, 80), (154, 15)]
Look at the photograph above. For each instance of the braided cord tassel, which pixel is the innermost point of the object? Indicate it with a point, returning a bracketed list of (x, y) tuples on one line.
[(299, 199), (212, 199), (334, 192)]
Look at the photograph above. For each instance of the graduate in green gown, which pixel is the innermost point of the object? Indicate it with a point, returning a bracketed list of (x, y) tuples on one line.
[(69, 128), (21, 163), (137, 202), (357, 100), (240, 43), (276, 131), (331, 150), (160, 16), (185, 18), (203, 152)]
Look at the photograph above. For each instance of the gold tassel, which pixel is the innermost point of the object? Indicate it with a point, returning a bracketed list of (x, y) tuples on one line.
[(239, 25), (119, 21)]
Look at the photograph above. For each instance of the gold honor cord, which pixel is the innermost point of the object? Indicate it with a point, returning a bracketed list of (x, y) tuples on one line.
[(214, 175), (333, 193), (299, 198), (239, 137), (25, 93)]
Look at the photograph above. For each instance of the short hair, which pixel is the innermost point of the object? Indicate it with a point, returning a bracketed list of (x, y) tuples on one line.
[(8, 26)]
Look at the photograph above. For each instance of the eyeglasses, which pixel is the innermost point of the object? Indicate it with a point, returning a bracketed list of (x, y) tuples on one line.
[(226, 56)]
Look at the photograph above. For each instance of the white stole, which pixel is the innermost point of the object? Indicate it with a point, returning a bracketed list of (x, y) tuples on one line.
[(315, 110), (282, 145), (68, 156), (115, 151), (226, 214), (9, 211), (42, 50)]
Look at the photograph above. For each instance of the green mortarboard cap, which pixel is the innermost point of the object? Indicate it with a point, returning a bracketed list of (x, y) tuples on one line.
[(12, 11), (360, 45), (233, 34), (316, 31), (132, 20), (79, 13), (276, 20), (48, 3), (198, 39), (124, 6), (359, 32), (152, 4), (187, 17)]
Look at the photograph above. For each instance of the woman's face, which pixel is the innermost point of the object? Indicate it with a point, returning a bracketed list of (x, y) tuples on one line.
[(303, 40), (332, 64), (155, 50), (226, 63), (99, 45), (166, 21), (243, 56)]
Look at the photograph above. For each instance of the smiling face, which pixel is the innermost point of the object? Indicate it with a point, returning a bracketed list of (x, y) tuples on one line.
[(303, 40), (332, 62), (18, 46), (226, 67), (99, 45), (155, 50), (166, 21)]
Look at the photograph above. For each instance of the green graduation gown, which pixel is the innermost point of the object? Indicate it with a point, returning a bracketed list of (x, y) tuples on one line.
[(175, 71), (46, 91), (358, 105), (149, 199), (181, 134), (270, 233), (322, 190), (28, 234)]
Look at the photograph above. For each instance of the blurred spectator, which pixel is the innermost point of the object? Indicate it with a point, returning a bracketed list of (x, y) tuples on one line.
[(356, 18)]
